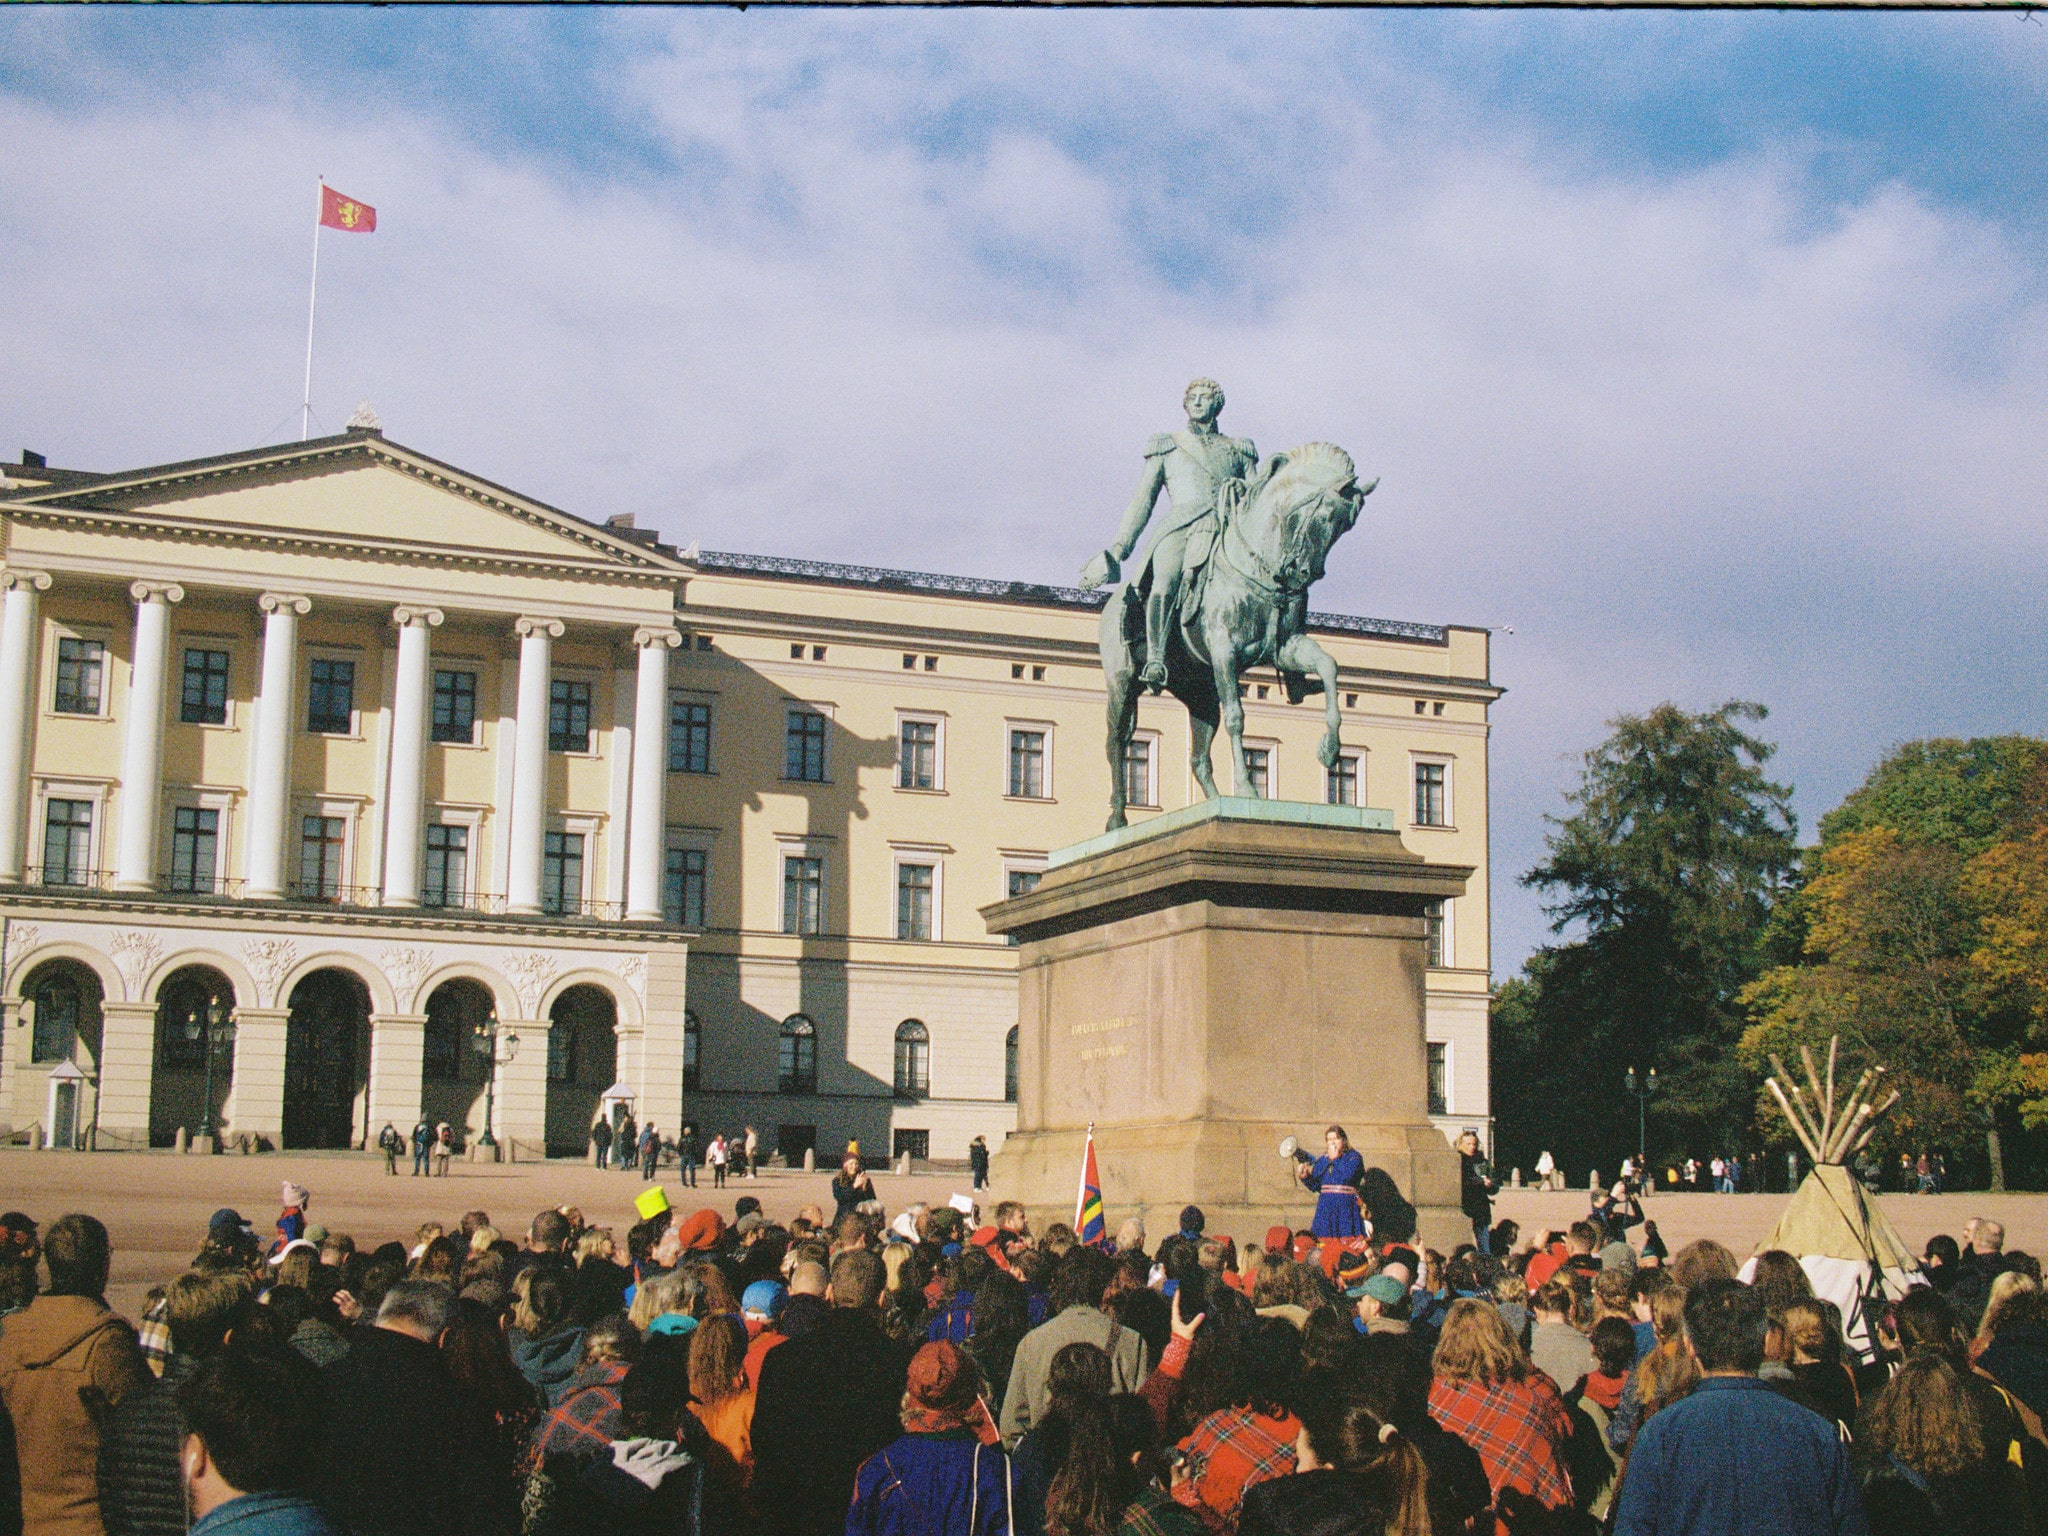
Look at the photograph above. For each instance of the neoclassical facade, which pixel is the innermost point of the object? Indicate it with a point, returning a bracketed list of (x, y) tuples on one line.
[(346, 787)]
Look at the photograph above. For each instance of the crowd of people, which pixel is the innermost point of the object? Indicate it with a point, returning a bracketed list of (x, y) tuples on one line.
[(937, 1374)]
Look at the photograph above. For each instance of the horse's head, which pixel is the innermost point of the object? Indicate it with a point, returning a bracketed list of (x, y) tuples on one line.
[(1304, 501)]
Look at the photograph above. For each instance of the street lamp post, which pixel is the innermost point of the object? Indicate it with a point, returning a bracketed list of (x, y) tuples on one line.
[(217, 1029), (1640, 1089), (485, 1043)]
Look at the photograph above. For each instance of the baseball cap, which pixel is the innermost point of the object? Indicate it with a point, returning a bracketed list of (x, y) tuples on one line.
[(764, 1299), (1384, 1289), (226, 1229)]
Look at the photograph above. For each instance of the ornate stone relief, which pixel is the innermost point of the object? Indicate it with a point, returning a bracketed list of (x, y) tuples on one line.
[(531, 971), (269, 961), (407, 966), (632, 971), (136, 954)]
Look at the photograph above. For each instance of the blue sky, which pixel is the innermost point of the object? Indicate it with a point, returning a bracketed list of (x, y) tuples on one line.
[(1706, 350)]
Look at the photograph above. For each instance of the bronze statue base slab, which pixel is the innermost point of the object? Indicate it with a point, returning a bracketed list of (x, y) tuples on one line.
[(1197, 991)]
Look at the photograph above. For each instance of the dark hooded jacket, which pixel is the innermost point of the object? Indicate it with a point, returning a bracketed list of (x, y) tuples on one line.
[(548, 1362)]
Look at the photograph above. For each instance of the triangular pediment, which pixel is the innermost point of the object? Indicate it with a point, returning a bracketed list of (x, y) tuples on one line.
[(357, 491)]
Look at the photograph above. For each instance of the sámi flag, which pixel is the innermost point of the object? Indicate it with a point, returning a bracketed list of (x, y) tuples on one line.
[(1088, 1222), (338, 212)]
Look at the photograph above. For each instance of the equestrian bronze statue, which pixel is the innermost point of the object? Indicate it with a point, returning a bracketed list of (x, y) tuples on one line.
[(1224, 585)]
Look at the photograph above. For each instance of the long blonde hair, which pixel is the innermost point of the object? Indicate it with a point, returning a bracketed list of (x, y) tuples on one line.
[(1476, 1346), (658, 1294)]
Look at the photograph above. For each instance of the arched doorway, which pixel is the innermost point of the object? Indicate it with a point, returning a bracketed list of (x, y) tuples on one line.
[(583, 1060), (185, 1038), (326, 1049), (62, 999), (453, 1073)]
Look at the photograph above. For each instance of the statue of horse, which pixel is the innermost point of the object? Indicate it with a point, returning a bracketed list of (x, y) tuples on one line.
[(1246, 606)]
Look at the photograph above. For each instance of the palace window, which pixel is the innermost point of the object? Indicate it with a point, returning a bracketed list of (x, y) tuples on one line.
[(1258, 767), (67, 842), (568, 715), (1019, 882), (195, 849), (322, 841), (682, 887), (81, 667), (562, 1053), (331, 697), (803, 753), (205, 697), (803, 894), (689, 736), (1010, 1066), (561, 873), (796, 1056), (913, 1060), (914, 901), (1430, 783), (1027, 765), (917, 755), (455, 707), (1439, 1079), (445, 880), (693, 1045), (1343, 783), (918, 1144), (1433, 925), (1138, 772)]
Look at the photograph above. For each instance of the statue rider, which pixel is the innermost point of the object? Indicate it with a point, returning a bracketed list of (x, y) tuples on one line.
[(1190, 466)]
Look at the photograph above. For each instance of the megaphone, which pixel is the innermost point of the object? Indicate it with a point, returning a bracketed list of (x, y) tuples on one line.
[(1289, 1147)]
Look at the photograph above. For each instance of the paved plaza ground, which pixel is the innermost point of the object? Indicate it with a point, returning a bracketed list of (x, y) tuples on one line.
[(156, 1204)]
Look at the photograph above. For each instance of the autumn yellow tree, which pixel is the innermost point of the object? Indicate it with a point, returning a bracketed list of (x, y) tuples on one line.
[(1893, 929)]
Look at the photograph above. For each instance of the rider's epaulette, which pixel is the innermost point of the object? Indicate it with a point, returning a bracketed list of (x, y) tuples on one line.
[(1162, 443)]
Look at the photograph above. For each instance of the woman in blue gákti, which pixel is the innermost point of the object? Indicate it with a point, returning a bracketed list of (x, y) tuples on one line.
[(1334, 1177)]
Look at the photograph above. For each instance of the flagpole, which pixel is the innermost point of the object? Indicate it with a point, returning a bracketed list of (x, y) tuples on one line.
[(312, 293)]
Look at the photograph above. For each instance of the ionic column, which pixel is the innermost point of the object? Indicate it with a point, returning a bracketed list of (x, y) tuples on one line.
[(19, 631), (270, 774), (142, 750), (409, 720), (530, 762), (646, 818)]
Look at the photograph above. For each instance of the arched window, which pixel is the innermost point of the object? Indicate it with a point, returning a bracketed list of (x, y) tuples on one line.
[(693, 1034), (913, 1060), (1010, 1066), (797, 1056)]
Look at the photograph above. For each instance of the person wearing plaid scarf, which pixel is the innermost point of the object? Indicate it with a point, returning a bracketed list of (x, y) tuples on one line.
[(1488, 1395), (1252, 1437)]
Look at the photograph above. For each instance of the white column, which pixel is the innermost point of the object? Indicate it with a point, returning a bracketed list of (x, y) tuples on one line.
[(409, 720), (142, 750), (19, 632), (647, 819), (530, 762), (270, 776)]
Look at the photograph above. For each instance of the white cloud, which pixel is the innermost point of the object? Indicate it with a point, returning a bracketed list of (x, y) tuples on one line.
[(916, 296)]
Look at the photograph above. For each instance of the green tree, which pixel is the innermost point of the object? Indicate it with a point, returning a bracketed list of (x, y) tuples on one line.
[(1964, 795), (1666, 865)]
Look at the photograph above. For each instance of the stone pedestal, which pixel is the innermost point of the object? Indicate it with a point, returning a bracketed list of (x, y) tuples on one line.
[(1205, 984)]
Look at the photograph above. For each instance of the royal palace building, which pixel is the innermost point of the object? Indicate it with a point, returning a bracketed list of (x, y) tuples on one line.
[(340, 787)]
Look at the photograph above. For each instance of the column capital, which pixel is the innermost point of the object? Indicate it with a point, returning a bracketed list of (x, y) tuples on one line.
[(15, 578), (405, 616), (272, 602), (657, 634), (531, 624), (156, 592)]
